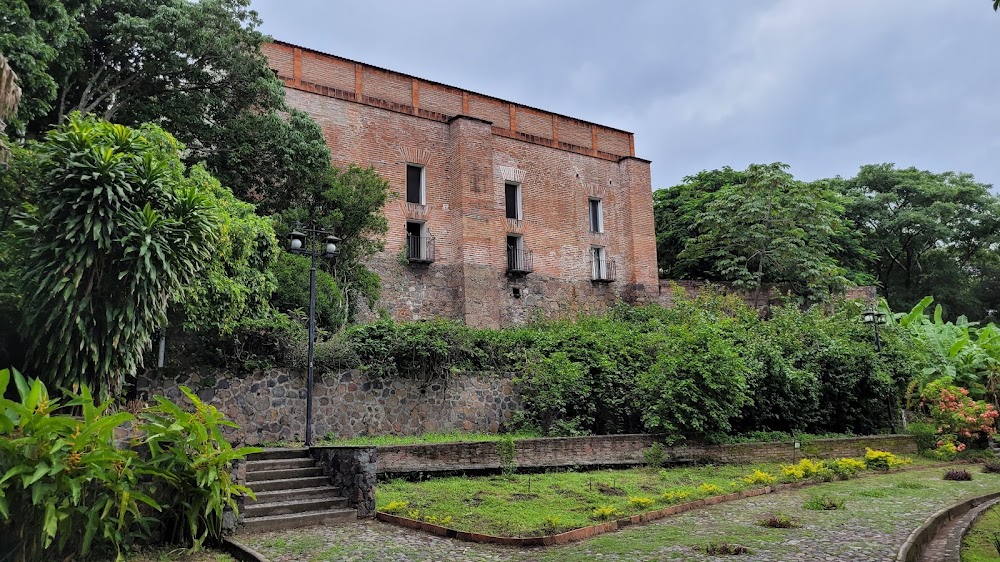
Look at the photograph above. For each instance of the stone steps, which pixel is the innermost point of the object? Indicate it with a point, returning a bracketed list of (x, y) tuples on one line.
[(291, 492)]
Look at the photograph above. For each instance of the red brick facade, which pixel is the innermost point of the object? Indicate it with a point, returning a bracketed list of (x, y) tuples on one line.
[(470, 146)]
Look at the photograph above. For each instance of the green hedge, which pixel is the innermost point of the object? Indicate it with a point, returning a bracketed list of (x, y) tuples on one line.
[(706, 368)]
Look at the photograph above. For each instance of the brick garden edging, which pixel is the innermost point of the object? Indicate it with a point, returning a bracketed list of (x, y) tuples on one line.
[(923, 535), (601, 528)]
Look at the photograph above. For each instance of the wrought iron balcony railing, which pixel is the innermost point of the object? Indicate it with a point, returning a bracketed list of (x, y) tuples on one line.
[(419, 249), (603, 270), (519, 260)]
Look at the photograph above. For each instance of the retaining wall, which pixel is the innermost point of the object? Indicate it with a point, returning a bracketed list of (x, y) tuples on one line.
[(618, 450)]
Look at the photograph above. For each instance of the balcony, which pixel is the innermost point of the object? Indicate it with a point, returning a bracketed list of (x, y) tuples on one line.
[(419, 249), (603, 270), (519, 261)]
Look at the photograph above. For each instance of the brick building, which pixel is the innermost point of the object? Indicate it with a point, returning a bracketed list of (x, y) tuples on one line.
[(504, 212)]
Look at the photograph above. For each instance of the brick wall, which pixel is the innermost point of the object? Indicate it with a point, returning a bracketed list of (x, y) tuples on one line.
[(470, 145), (623, 450)]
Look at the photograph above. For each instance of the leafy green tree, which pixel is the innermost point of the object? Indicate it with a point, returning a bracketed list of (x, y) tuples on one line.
[(928, 233), (34, 36), (195, 68), (751, 228), (117, 232), (349, 203), (235, 288)]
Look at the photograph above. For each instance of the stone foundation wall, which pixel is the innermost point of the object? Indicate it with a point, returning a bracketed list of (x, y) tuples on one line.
[(611, 450), (270, 405)]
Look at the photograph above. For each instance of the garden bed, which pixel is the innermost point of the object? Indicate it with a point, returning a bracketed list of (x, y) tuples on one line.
[(534, 505)]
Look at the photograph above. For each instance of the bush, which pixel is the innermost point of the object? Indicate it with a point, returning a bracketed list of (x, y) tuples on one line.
[(709, 490), (925, 434), (640, 502), (189, 450), (845, 468), (991, 466), (806, 468), (823, 503), (960, 475), (605, 512), (760, 478), (883, 460), (63, 476), (70, 493), (655, 456), (675, 496), (395, 506)]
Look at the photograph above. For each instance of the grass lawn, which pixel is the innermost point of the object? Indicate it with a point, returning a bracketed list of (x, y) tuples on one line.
[(977, 545), (426, 438), (536, 504)]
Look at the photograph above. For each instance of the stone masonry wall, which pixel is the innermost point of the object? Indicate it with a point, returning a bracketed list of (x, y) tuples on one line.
[(270, 405), (609, 450)]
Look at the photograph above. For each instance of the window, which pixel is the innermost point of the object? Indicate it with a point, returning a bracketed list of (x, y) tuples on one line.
[(419, 245), (512, 199), (599, 263), (602, 268), (596, 216), (518, 258), (415, 184)]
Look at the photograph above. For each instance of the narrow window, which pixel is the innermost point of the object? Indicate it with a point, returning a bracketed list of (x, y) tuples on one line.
[(515, 255), (414, 184), (512, 198), (600, 265), (596, 218), (414, 241)]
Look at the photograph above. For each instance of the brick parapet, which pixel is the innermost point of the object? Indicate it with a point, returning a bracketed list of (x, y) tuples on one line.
[(619, 450), (329, 75)]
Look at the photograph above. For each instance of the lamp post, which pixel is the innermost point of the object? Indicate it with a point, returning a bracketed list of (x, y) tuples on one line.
[(875, 317), (315, 243)]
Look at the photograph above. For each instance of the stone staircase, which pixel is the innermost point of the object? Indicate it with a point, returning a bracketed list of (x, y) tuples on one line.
[(291, 492)]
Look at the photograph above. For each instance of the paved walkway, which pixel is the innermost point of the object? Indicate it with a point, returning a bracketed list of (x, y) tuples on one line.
[(947, 543), (878, 516)]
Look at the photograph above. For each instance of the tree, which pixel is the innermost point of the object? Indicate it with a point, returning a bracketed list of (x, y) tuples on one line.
[(194, 68), (118, 231), (34, 34), (350, 204), (928, 234), (754, 227)]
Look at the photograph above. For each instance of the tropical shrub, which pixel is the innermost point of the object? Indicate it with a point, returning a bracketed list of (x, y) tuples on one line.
[(806, 468), (189, 447), (955, 413), (70, 493), (66, 492), (116, 233), (696, 385)]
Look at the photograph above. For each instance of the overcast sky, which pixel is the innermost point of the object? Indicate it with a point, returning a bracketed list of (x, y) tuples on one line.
[(824, 86)]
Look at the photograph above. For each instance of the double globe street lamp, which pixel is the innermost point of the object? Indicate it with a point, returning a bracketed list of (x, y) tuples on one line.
[(315, 243)]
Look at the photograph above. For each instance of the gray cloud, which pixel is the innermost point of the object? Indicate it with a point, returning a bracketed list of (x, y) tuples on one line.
[(823, 86)]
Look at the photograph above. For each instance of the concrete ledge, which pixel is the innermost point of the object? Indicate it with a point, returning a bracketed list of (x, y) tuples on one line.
[(242, 552), (923, 535)]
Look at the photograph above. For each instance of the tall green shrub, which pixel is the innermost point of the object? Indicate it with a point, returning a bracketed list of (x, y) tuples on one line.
[(66, 492), (190, 449), (117, 232)]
